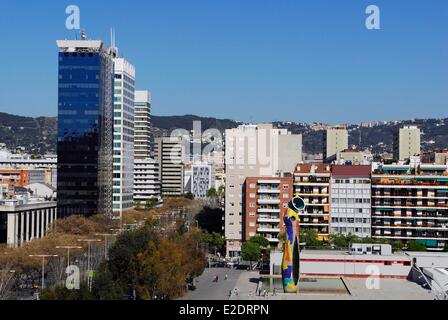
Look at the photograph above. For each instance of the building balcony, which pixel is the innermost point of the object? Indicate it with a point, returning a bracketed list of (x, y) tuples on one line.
[(269, 182), (268, 220), (269, 191), (268, 230), (265, 210), (415, 227), (269, 201)]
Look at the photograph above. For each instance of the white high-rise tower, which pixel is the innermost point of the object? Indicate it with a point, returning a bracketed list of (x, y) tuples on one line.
[(123, 182)]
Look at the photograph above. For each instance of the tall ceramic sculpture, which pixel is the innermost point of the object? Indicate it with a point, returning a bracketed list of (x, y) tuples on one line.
[(291, 252)]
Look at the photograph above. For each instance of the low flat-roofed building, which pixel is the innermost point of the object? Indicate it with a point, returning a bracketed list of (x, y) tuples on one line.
[(329, 263), (25, 219)]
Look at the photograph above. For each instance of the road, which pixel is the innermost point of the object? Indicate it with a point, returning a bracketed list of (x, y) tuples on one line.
[(209, 290)]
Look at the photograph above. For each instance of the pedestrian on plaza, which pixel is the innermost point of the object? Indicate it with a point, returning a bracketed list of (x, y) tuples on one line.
[(274, 292), (226, 277)]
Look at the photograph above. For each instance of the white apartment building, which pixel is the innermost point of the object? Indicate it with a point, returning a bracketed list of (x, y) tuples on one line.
[(142, 125), (335, 140), (253, 151), (407, 143), (123, 181), (202, 179), (170, 154), (146, 180), (350, 197)]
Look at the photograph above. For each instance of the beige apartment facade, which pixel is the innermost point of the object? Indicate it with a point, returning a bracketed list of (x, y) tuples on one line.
[(253, 151), (335, 140), (407, 143)]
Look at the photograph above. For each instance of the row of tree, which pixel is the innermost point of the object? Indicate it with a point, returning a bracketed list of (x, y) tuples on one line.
[(145, 264)]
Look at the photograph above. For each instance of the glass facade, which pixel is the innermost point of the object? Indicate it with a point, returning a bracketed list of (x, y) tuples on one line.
[(85, 130)]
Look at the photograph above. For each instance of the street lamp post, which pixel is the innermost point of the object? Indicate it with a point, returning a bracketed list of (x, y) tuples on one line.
[(106, 236), (68, 248), (89, 271), (43, 256)]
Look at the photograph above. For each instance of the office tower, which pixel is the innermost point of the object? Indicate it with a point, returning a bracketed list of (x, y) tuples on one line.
[(143, 143), (146, 180), (253, 151), (123, 193), (266, 199), (85, 128), (410, 202), (170, 154), (335, 140), (312, 183), (350, 197), (406, 143), (202, 179)]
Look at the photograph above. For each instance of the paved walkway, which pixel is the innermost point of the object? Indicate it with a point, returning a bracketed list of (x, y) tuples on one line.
[(247, 281), (206, 289)]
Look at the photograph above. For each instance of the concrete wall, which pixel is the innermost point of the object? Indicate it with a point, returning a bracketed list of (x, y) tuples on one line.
[(359, 266)]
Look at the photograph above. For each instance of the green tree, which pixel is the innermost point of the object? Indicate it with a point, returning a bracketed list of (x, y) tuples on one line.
[(310, 237), (261, 241), (189, 196), (214, 241), (221, 192), (212, 193), (416, 246), (150, 203), (250, 251), (104, 286)]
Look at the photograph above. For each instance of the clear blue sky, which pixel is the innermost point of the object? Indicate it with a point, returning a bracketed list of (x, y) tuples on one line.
[(250, 60)]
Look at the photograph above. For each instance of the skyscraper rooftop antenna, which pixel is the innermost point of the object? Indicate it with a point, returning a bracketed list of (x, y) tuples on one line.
[(113, 44)]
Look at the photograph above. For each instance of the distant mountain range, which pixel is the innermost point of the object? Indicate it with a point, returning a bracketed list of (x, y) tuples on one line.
[(38, 135)]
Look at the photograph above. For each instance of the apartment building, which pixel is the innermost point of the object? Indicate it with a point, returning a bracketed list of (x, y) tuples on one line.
[(354, 157), (406, 143), (202, 179), (335, 139), (312, 183), (170, 154), (265, 202), (350, 197), (410, 202), (253, 151), (22, 177), (143, 140), (146, 180), (48, 166)]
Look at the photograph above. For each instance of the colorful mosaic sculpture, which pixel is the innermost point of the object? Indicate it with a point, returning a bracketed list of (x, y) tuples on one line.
[(291, 253)]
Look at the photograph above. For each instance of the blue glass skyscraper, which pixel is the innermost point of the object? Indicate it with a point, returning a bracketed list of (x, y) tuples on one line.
[(85, 128)]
